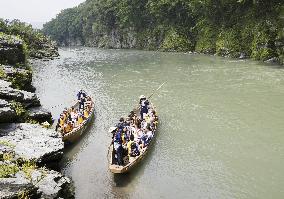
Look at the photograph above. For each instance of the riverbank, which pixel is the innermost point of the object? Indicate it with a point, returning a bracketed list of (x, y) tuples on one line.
[(28, 151), (235, 29)]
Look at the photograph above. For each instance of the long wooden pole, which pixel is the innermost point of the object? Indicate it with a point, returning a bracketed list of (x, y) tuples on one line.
[(156, 90)]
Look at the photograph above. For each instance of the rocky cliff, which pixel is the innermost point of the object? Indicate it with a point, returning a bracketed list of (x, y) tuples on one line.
[(26, 148)]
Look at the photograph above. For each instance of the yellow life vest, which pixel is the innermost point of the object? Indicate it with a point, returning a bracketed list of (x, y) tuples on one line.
[(129, 146), (86, 114), (80, 120), (61, 122), (147, 118), (68, 128)]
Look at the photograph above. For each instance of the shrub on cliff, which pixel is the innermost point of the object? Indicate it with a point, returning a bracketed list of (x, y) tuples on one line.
[(13, 50), (33, 39)]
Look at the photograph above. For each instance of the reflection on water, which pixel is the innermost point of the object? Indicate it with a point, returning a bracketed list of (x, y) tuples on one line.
[(221, 134)]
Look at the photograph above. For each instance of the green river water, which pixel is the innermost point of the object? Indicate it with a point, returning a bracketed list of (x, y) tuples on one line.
[(221, 132)]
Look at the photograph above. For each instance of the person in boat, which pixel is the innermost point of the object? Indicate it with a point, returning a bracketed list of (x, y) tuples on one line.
[(74, 116), (125, 135), (144, 124), (88, 103), (81, 94), (117, 145), (86, 113), (60, 122), (113, 130), (82, 101), (148, 137), (120, 124), (68, 127), (131, 115), (80, 119), (144, 106), (133, 149)]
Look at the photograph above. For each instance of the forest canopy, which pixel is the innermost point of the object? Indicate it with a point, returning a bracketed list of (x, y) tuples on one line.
[(235, 28)]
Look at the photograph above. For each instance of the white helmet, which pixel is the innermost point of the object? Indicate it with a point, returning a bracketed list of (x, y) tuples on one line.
[(142, 97)]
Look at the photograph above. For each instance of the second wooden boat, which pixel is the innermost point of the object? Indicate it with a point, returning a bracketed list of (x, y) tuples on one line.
[(131, 162), (77, 131)]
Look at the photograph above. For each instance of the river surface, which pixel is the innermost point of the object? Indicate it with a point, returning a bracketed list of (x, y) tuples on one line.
[(221, 132)]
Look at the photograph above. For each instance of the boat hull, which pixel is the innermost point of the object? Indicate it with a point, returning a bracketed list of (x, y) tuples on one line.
[(76, 134)]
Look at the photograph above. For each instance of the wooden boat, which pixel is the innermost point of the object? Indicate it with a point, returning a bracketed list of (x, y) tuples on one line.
[(132, 161), (76, 133)]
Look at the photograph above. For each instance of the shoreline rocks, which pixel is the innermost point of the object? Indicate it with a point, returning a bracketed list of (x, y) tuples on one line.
[(27, 149), (39, 183), (32, 142)]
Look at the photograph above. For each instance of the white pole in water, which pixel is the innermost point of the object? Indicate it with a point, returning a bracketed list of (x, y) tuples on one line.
[(156, 90)]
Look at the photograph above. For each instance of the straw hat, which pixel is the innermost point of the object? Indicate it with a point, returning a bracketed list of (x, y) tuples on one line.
[(111, 129)]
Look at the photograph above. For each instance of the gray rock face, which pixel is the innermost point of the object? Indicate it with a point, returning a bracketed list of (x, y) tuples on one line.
[(17, 186), (40, 115), (21, 78), (52, 184), (11, 50), (3, 103), (10, 71), (8, 93), (32, 142), (42, 184), (7, 114)]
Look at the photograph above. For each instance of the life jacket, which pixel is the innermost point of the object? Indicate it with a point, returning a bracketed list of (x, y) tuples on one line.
[(80, 120), (129, 146), (61, 122), (147, 118), (68, 128), (86, 114)]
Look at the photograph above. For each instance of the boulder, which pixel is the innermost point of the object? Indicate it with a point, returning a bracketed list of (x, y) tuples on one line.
[(6, 92), (33, 142), (40, 115), (3, 103), (272, 60), (52, 184), (41, 183), (7, 115)]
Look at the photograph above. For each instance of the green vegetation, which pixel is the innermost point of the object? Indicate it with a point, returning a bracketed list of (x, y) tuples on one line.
[(7, 170), (33, 40), (9, 166), (21, 80), (19, 108), (250, 28)]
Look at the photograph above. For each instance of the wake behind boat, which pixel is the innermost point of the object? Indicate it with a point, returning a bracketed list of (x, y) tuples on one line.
[(132, 137), (74, 121)]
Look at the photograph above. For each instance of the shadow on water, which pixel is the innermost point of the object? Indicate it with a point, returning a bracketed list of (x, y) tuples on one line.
[(122, 180)]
